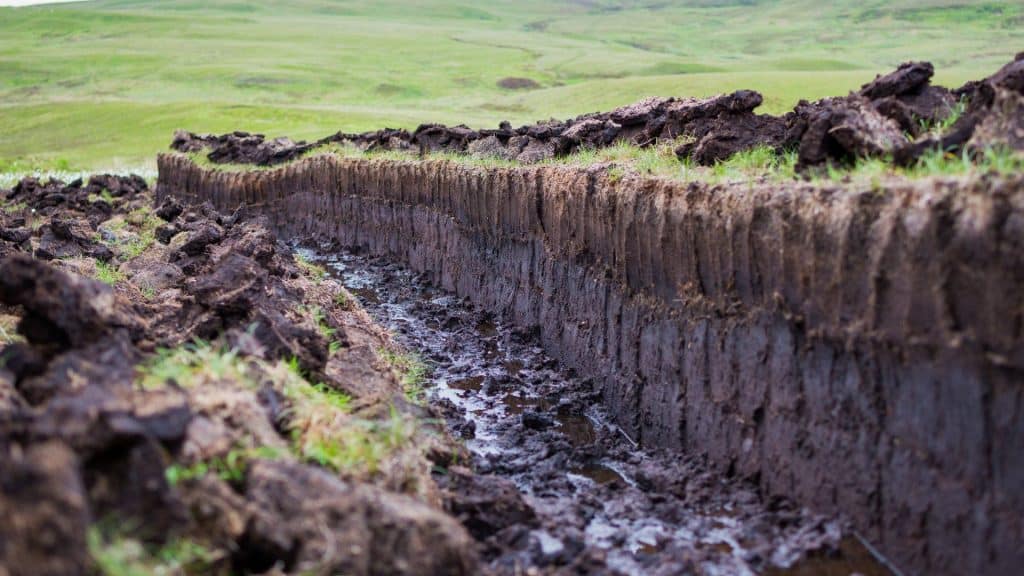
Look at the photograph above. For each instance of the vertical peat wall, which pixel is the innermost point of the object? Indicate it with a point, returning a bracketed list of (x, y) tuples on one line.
[(856, 350)]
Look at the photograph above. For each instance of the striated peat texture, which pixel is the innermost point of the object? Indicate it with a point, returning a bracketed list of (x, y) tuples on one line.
[(556, 488), (854, 349)]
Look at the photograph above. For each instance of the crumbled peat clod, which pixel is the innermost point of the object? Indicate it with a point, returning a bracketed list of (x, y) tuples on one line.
[(189, 390), (536, 420), (870, 123)]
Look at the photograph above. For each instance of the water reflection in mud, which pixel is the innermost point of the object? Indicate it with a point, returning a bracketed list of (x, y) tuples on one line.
[(535, 424)]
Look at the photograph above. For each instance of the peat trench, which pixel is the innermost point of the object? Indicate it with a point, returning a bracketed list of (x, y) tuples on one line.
[(591, 501)]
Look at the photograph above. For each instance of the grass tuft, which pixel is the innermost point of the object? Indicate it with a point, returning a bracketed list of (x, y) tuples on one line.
[(103, 196), (192, 365), (314, 271), (316, 314), (15, 207), (412, 372), (319, 417), (146, 223), (119, 555), (324, 432), (231, 467), (301, 392), (359, 446), (108, 273), (319, 318), (342, 301), (9, 329)]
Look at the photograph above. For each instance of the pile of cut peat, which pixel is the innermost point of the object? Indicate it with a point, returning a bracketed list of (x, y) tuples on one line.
[(213, 406), (899, 115)]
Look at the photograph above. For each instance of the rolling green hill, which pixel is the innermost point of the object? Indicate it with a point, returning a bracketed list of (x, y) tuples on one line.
[(103, 84)]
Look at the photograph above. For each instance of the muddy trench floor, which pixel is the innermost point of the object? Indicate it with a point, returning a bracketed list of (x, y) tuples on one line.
[(583, 498)]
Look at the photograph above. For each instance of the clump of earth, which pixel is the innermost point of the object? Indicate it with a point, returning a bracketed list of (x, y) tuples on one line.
[(899, 115), (175, 384)]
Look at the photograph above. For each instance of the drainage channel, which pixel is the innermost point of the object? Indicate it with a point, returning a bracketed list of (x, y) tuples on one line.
[(602, 505)]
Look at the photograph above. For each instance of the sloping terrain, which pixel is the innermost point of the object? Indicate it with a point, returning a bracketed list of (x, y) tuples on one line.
[(178, 394), (99, 84), (567, 347)]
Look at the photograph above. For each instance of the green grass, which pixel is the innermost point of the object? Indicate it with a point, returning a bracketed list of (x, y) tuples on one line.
[(9, 330), (14, 207), (192, 365), (300, 391), (319, 318), (999, 161), (623, 159), (342, 300), (361, 446), (232, 467), (102, 84), (316, 314), (116, 554), (320, 420), (412, 372), (108, 273), (145, 223), (103, 196), (314, 271), (324, 432)]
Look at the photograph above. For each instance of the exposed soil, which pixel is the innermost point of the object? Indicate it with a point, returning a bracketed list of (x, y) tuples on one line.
[(91, 445), (548, 486), (172, 374), (227, 447), (992, 118), (887, 117), (851, 347), (559, 489)]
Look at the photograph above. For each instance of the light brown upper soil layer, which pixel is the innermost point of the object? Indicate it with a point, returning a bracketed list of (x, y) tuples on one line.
[(855, 349)]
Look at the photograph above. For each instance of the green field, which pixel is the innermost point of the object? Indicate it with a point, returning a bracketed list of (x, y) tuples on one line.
[(102, 84)]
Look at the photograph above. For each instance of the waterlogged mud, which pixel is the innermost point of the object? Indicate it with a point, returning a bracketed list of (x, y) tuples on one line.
[(558, 489)]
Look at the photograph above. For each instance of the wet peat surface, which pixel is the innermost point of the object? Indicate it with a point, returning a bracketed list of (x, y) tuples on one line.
[(600, 505)]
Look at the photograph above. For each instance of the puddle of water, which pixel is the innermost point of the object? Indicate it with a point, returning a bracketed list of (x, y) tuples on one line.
[(598, 473), (852, 557), (516, 405), (577, 428), (470, 384)]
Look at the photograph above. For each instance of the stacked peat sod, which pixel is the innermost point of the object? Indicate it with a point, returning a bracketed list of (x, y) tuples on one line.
[(885, 118)]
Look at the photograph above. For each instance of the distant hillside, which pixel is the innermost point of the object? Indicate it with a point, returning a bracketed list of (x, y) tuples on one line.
[(103, 83)]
